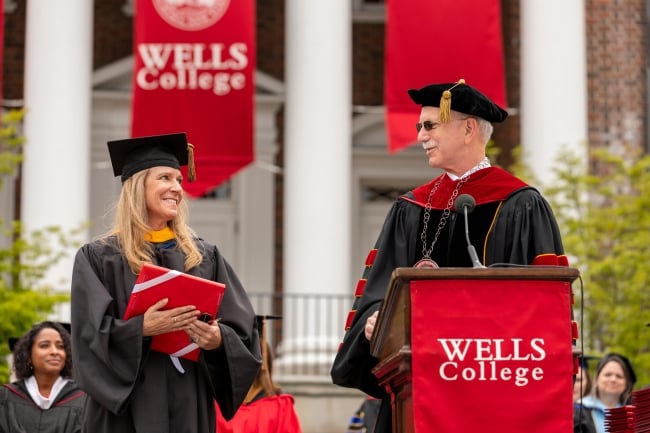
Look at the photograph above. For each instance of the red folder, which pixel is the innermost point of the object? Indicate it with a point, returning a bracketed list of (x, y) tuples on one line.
[(155, 283)]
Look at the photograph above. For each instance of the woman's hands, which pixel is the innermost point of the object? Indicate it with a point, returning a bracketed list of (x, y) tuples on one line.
[(207, 335), (157, 321)]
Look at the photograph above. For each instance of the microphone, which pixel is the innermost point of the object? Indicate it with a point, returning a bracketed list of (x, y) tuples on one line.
[(465, 203)]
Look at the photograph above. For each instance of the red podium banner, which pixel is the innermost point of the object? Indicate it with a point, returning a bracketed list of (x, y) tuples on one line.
[(492, 356)]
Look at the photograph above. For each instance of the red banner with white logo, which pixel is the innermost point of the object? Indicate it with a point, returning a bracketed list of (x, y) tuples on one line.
[(194, 73), (439, 41), (492, 356)]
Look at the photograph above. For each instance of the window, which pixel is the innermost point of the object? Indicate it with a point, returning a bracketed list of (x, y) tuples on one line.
[(369, 11)]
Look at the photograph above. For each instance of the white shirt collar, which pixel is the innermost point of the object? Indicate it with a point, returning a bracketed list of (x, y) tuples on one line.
[(485, 163), (44, 402)]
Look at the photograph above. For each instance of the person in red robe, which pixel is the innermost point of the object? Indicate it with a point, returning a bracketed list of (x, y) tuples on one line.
[(266, 409)]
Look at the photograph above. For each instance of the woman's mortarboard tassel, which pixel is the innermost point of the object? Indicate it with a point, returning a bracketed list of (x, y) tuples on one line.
[(191, 169)]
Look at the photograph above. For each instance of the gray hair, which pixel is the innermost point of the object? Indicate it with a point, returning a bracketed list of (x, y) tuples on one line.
[(485, 128)]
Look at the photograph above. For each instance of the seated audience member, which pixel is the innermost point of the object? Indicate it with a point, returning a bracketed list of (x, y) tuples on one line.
[(582, 384), (364, 419), (44, 398), (265, 409), (612, 388)]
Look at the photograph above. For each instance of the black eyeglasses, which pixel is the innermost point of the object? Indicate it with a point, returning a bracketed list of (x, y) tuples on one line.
[(429, 125)]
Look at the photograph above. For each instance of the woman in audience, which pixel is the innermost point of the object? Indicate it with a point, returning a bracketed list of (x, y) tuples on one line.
[(44, 398), (613, 385)]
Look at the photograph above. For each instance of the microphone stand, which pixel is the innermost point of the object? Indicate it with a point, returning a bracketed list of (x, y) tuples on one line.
[(476, 263)]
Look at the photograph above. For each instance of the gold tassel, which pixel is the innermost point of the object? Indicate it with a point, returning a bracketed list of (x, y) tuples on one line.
[(267, 382), (191, 169), (253, 391), (445, 102)]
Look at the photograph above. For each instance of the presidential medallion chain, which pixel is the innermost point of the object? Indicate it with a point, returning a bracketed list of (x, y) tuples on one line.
[(427, 261)]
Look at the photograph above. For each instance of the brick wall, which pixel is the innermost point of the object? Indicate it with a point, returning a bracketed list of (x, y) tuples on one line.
[(13, 55), (368, 64), (508, 134), (113, 32), (616, 71), (270, 37)]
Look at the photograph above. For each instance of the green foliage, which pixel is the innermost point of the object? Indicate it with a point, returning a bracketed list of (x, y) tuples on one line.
[(24, 257), (605, 226), (10, 143)]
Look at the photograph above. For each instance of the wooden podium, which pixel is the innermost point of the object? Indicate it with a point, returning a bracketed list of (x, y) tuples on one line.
[(391, 341)]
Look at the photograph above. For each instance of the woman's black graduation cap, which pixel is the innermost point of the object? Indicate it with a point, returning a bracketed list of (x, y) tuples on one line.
[(131, 155), (458, 96), (583, 360)]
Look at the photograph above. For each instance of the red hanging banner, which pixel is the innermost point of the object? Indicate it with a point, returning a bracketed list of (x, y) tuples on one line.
[(439, 41), (492, 356), (194, 73)]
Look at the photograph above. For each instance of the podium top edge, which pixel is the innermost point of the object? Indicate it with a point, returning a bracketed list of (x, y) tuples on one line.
[(562, 273)]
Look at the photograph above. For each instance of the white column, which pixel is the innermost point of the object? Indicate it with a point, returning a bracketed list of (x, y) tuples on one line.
[(317, 177), (55, 173), (553, 81), (256, 205)]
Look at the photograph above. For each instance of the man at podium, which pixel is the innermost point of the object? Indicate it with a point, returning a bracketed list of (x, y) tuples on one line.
[(510, 222)]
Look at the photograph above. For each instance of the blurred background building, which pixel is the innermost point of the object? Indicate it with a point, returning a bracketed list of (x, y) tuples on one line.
[(298, 222)]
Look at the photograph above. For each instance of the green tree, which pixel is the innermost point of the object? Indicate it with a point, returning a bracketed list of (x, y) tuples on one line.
[(24, 258), (605, 223)]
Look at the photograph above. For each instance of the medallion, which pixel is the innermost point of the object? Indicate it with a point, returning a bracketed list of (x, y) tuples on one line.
[(426, 263)]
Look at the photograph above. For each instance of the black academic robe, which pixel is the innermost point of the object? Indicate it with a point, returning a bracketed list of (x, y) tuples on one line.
[(582, 420), (19, 413), (511, 223), (134, 389)]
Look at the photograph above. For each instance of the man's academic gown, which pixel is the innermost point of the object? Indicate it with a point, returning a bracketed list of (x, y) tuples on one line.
[(133, 389), (19, 413), (511, 223)]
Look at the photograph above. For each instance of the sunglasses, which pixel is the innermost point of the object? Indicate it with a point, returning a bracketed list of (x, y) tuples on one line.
[(429, 125)]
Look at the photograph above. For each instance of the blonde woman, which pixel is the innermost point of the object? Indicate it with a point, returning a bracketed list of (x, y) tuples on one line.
[(132, 388)]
